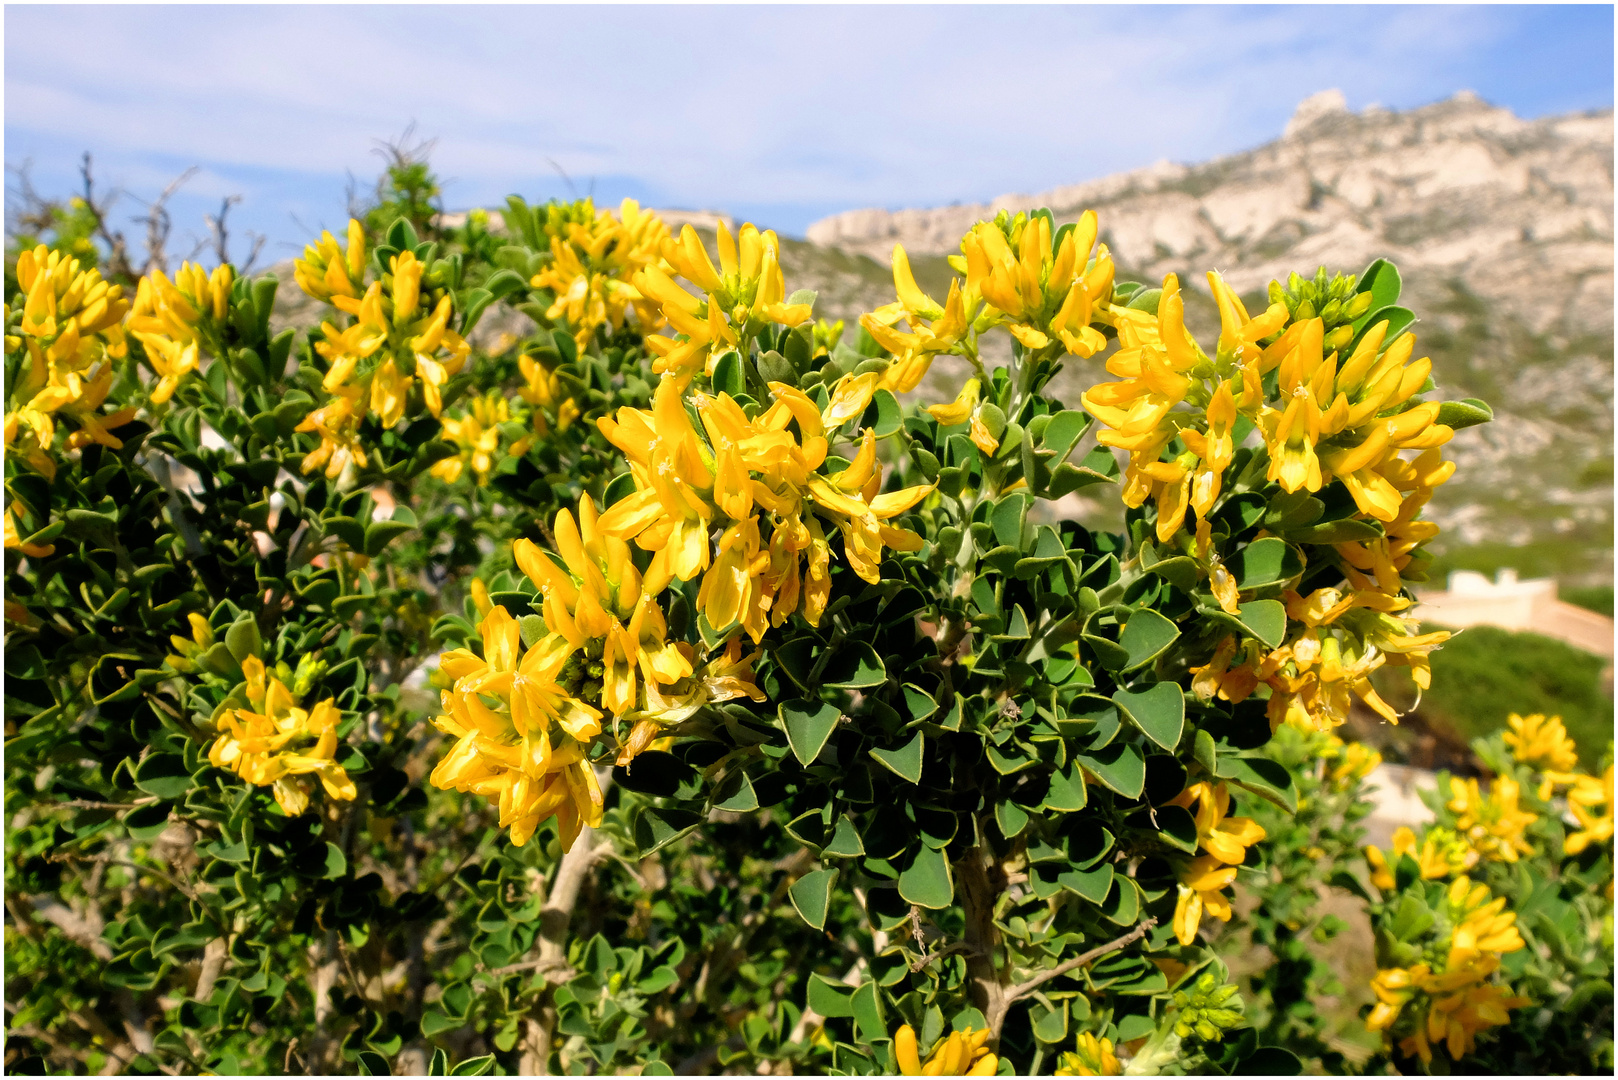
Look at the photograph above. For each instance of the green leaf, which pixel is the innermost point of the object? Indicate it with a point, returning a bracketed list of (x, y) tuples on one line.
[(919, 702), (808, 725), (1011, 818), (242, 638), (440, 1062), (906, 760), (867, 1008), (829, 999), (379, 533), (1050, 1024), (474, 1066), (736, 794), (1145, 637), (1267, 619), (1381, 280), (147, 823), (621, 486), (1265, 562), (1181, 571), (1175, 825), (373, 1064), (927, 881), (658, 826), (1262, 776), (1067, 793), (336, 862), (856, 666), (1464, 413), (1341, 531), (811, 895), (1398, 319), (163, 775), (1007, 519), (728, 377), (1119, 767), (1204, 751), (845, 841), (1093, 884), (1159, 711), (1122, 905), (883, 415)]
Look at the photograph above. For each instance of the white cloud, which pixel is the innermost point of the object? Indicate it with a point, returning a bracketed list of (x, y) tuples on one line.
[(718, 105)]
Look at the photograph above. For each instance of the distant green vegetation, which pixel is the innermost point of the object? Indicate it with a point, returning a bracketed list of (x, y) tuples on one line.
[(1484, 674), (1598, 598)]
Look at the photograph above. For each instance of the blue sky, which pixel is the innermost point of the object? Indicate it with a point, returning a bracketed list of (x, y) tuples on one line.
[(777, 114)]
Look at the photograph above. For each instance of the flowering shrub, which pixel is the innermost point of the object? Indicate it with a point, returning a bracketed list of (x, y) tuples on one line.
[(681, 699)]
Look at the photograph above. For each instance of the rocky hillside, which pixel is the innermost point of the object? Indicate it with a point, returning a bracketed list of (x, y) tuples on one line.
[(1503, 228)]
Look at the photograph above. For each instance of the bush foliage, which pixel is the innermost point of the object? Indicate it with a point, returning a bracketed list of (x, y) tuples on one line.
[(660, 692)]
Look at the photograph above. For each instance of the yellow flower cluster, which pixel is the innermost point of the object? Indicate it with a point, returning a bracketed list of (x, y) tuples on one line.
[(268, 744), (394, 341), (757, 484), (1225, 840), (1045, 290), (71, 326), (1439, 853), (1454, 999), (1589, 801), (1355, 761), (544, 390), (175, 320), (476, 435), (1339, 637), (1541, 742), (743, 296), (963, 1053), (1090, 1057), (1493, 825), (1327, 418), (525, 721), (595, 258)]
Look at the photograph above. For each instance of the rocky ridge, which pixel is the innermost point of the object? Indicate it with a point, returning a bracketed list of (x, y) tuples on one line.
[(1503, 229)]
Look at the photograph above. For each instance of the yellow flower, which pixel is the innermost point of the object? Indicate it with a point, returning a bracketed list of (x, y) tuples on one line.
[(1225, 838), (674, 480), (963, 1053), (326, 270), (522, 738), (743, 296), (593, 265), (1442, 852), (477, 436), (1541, 741), (1202, 881), (70, 323), (267, 745), (1590, 803), (337, 423), (1359, 760), (935, 329), (1493, 825), (1453, 998), (15, 541), (957, 411), (175, 320), (603, 607), (393, 343), (1037, 292), (1090, 1057)]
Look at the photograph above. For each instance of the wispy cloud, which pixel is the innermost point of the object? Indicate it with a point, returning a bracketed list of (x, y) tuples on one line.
[(788, 111)]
